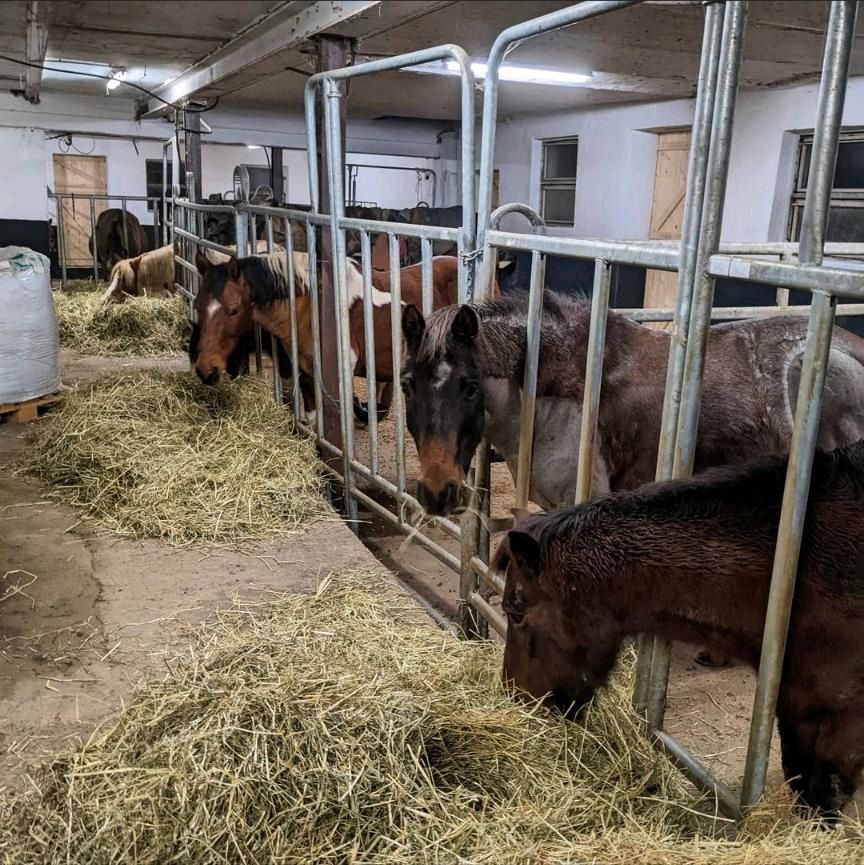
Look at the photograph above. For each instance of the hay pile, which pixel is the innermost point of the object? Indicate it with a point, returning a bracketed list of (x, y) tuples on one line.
[(335, 728), (157, 454), (138, 326)]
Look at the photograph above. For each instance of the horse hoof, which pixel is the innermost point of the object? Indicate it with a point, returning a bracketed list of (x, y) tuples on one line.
[(382, 413), (706, 659), (361, 411)]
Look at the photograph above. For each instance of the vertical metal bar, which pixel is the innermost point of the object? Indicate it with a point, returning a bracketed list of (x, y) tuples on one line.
[(333, 126), (426, 274), (696, 177), (396, 342), (292, 308), (61, 239), (808, 409), (369, 335), (164, 196), (314, 288), (826, 133), (529, 383), (93, 239), (472, 625), (593, 378), (125, 227), (274, 342)]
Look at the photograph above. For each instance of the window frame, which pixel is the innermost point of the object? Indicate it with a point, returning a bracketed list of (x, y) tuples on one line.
[(567, 184), (840, 198), (158, 163)]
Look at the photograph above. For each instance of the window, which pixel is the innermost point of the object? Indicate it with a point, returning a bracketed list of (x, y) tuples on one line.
[(154, 180), (558, 181), (846, 216)]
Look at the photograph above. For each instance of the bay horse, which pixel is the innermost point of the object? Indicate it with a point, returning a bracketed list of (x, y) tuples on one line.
[(463, 374), (692, 561), (107, 242)]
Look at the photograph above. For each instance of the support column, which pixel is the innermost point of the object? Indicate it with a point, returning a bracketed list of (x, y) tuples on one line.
[(192, 137), (332, 52), (277, 181)]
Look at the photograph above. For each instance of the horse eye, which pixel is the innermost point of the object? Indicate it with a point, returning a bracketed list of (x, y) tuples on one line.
[(407, 386), (516, 618), (232, 311), (471, 390)]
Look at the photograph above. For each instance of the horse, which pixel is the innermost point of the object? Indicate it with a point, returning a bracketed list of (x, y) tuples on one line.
[(692, 561), (108, 240), (232, 300), (463, 374)]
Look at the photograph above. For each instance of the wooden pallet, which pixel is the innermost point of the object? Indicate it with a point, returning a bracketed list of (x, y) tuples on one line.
[(29, 410)]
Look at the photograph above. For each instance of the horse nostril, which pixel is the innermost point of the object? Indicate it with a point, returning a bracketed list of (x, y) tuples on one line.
[(208, 378), (449, 497)]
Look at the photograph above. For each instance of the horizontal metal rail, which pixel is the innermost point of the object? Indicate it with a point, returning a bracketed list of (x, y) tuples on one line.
[(734, 313), (814, 278), (404, 229)]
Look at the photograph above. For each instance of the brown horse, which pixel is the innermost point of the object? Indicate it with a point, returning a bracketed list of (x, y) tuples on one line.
[(692, 561), (463, 375), (109, 241)]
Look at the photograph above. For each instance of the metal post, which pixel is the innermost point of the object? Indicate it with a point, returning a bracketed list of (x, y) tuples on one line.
[(808, 410), (93, 239), (369, 336), (61, 240), (697, 170), (125, 226), (734, 24), (593, 377), (292, 306), (192, 138), (471, 624), (278, 179), (529, 383), (274, 342)]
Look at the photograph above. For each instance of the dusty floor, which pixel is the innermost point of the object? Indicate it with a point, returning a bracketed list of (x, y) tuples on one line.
[(83, 615)]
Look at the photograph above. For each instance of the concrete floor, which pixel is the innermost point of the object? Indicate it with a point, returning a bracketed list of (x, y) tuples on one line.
[(92, 613)]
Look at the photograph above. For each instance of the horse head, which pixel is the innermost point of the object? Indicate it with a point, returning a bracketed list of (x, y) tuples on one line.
[(224, 311), (550, 653), (444, 404)]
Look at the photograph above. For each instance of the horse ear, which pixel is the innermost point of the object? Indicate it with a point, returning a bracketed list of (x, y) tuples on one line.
[(525, 552), (465, 325), (233, 269), (413, 325), (520, 515), (202, 262)]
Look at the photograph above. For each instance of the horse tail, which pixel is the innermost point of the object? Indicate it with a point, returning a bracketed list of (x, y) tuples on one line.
[(112, 287)]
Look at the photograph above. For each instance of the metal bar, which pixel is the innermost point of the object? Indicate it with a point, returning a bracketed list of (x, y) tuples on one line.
[(503, 42), (472, 626), (426, 274), (489, 613), (808, 409), (274, 342), (292, 311), (613, 251), (529, 382), (369, 335), (93, 240), (492, 580), (200, 241), (846, 281), (61, 242), (311, 245), (97, 197), (593, 378), (406, 229), (125, 226), (697, 773), (731, 53), (733, 313), (335, 161), (396, 346)]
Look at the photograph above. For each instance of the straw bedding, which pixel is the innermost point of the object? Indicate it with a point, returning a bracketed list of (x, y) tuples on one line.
[(138, 326), (337, 728), (157, 454)]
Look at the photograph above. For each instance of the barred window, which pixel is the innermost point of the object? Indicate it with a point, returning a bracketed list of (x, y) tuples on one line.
[(558, 180)]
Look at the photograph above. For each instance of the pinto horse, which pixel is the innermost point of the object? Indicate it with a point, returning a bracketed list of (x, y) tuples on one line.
[(463, 375), (692, 561)]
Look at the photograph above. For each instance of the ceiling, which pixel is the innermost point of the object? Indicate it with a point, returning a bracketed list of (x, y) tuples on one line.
[(649, 51)]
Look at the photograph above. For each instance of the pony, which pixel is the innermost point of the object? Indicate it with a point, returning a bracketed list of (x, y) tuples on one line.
[(149, 273), (463, 373), (107, 242), (692, 561)]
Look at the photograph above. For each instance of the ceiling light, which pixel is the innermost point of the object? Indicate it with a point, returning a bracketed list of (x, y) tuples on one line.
[(254, 146), (117, 78), (508, 72)]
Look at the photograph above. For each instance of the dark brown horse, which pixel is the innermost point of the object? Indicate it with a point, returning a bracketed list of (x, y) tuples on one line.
[(111, 245), (692, 561), (463, 375)]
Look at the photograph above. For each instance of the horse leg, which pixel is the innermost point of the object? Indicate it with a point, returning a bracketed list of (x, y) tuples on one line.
[(385, 399)]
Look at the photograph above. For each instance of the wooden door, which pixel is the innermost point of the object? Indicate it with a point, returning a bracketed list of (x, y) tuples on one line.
[(82, 175), (667, 213)]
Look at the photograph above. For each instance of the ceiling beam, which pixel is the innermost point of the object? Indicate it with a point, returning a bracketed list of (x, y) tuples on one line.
[(283, 29), (36, 46)]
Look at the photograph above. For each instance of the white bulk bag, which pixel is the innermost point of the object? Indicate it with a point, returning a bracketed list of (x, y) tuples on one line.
[(29, 342)]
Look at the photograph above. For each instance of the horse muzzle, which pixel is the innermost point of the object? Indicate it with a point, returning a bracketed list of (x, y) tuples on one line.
[(211, 377), (440, 503)]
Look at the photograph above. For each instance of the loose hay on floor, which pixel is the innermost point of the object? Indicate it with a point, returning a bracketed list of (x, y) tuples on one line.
[(138, 326), (337, 728), (157, 454)]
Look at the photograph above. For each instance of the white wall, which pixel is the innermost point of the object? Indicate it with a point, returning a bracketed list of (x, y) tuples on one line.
[(615, 175), (23, 193)]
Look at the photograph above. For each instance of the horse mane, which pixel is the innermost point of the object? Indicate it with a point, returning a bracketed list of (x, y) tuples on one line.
[(755, 487), (156, 269), (509, 312)]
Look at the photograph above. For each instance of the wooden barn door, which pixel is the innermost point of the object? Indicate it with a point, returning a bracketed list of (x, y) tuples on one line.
[(83, 175), (667, 212)]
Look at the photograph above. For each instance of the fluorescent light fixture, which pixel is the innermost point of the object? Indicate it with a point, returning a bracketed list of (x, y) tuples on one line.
[(509, 72), (254, 146), (117, 78)]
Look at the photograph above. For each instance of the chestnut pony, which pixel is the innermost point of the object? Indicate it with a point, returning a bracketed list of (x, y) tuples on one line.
[(691, 561)]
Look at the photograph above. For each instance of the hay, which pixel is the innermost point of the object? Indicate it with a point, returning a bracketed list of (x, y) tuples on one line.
[(139, 326), (336, 728), (157, 454)]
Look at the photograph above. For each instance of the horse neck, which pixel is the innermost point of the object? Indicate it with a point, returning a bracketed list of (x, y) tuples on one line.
[(275, 318), (685, 581)]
